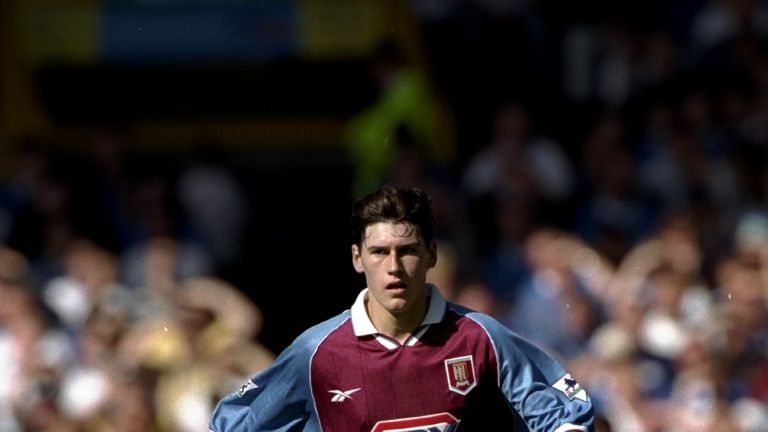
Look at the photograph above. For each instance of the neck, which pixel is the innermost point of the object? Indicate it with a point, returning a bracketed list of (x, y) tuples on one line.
[(398, 326)]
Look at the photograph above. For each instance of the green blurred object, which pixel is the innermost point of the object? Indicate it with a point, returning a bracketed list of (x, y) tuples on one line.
[(371, 136)]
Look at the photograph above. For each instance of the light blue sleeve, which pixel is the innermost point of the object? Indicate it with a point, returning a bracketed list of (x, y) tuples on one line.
[(545, 396), (279, 398)]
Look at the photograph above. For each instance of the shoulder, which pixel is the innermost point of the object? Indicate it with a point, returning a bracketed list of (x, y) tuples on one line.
[(290, 365), (507, 343), (311, 338), (279, 396), (489, 324)]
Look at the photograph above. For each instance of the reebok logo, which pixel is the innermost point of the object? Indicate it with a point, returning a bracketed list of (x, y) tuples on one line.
[(341, 396)]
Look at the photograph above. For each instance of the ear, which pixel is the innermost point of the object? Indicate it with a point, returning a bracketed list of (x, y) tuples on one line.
[(357, 259), (432, 255)]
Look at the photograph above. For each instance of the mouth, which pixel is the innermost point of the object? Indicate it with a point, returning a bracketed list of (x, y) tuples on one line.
[(399, 285)]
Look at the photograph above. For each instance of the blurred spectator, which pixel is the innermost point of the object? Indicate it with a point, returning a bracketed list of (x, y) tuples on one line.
[(215, 204), (197, 350), (519, 180), (519, 158), (504, 267), (158, 262), (476, 296), (22, 183), (555, 306), (33, 352), (406, 102), (114, 171), (612, 215), (719, 22), (41, 200), (89, 282)]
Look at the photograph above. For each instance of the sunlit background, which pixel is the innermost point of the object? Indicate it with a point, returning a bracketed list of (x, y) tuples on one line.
[(176, 178)]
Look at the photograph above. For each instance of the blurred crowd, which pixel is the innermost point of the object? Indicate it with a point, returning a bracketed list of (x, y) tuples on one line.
[(113, 317), (633, 246), (84, 352)]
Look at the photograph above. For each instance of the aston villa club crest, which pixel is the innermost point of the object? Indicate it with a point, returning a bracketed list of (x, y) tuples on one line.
[(460, 372)]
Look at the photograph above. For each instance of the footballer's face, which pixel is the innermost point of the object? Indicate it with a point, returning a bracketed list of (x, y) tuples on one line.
[(395, 262)]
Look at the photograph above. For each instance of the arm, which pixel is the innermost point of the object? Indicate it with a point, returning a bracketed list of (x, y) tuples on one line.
[(535, 385), (276, 399)]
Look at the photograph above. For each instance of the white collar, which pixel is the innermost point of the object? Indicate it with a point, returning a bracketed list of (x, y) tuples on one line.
[(362, 325)]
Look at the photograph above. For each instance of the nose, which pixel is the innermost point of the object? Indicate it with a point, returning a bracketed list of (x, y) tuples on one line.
[(394, 264)]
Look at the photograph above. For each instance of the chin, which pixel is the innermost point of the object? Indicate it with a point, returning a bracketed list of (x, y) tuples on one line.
[(399, 308)]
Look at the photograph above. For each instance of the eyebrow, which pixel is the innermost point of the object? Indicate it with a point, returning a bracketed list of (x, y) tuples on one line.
[(374, 246)]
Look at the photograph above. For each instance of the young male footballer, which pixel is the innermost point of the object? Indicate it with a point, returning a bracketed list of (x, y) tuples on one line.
[(402, 358)]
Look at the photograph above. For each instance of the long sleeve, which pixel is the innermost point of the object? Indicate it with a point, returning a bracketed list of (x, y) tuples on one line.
[(274, 400), (544, 395), (278, 399)]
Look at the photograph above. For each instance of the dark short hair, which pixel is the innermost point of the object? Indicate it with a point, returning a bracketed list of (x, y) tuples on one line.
[(397, 205)]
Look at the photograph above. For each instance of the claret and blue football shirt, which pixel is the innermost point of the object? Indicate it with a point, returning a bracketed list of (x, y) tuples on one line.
[(343, 376)]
